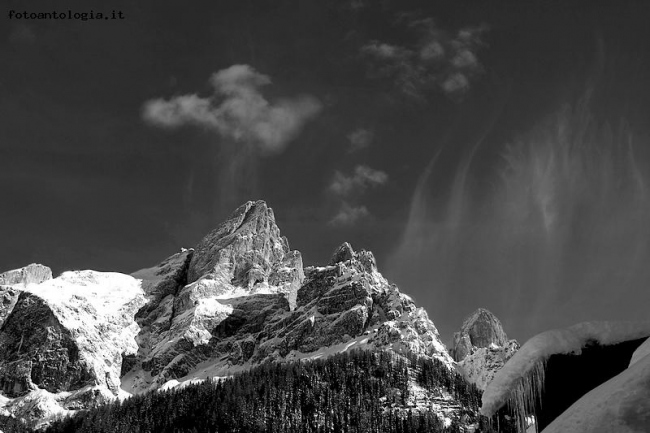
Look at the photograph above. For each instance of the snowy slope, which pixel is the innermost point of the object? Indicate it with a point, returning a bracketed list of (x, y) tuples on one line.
[(641, 352)]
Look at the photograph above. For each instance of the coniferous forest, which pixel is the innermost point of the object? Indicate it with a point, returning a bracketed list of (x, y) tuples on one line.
[(359, 391)]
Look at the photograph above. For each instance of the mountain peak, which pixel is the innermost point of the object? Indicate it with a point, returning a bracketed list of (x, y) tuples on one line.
[(482, 347), (342, 254), (249, 241), (480, 329), (363, 259)]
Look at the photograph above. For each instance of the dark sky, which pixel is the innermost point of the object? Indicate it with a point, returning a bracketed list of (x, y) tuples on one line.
[(490, 154)]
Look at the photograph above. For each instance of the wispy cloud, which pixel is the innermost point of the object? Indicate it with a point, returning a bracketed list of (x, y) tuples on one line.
[(435, 59), (349, 215), (237, 110), (360, 139), (357, 182)]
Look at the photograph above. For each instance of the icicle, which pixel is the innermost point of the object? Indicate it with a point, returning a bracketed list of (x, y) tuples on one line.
[(527, 395)]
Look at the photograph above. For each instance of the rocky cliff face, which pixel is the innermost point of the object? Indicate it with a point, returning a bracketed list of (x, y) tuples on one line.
[(482, 347), (240, 298)]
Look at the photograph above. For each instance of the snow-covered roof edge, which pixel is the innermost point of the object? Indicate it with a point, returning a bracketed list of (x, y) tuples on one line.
[(523, 368)]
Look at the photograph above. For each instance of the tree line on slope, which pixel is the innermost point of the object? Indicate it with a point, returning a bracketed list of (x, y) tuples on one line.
[(358, 391)]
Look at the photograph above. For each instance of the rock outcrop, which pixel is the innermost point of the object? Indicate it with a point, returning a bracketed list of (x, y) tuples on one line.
[(480, 329), (482, 347), (30, 274), (8, 298)]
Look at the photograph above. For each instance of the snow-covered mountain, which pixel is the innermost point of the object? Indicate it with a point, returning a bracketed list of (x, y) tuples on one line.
[(240, 298), (481, 347)]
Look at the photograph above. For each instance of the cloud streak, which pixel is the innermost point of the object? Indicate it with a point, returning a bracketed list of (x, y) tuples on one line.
[(237, 110), (556, 233)]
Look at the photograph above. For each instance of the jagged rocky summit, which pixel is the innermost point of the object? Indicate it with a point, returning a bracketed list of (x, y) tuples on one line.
[(240, 298), (481, 347)]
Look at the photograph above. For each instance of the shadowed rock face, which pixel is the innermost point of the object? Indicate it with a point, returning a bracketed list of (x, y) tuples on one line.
[(38, 351), (8, 298), (163, 280), (342, 254)]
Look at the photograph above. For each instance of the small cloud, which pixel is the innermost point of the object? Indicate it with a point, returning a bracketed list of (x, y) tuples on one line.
[(370, 176), (432, 51), (464, 59), (362, 178), (360, 139), (238, 80), (349, 215), (385, 51), (456, 83), (178, 111), (237, 110), (472, 35)]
